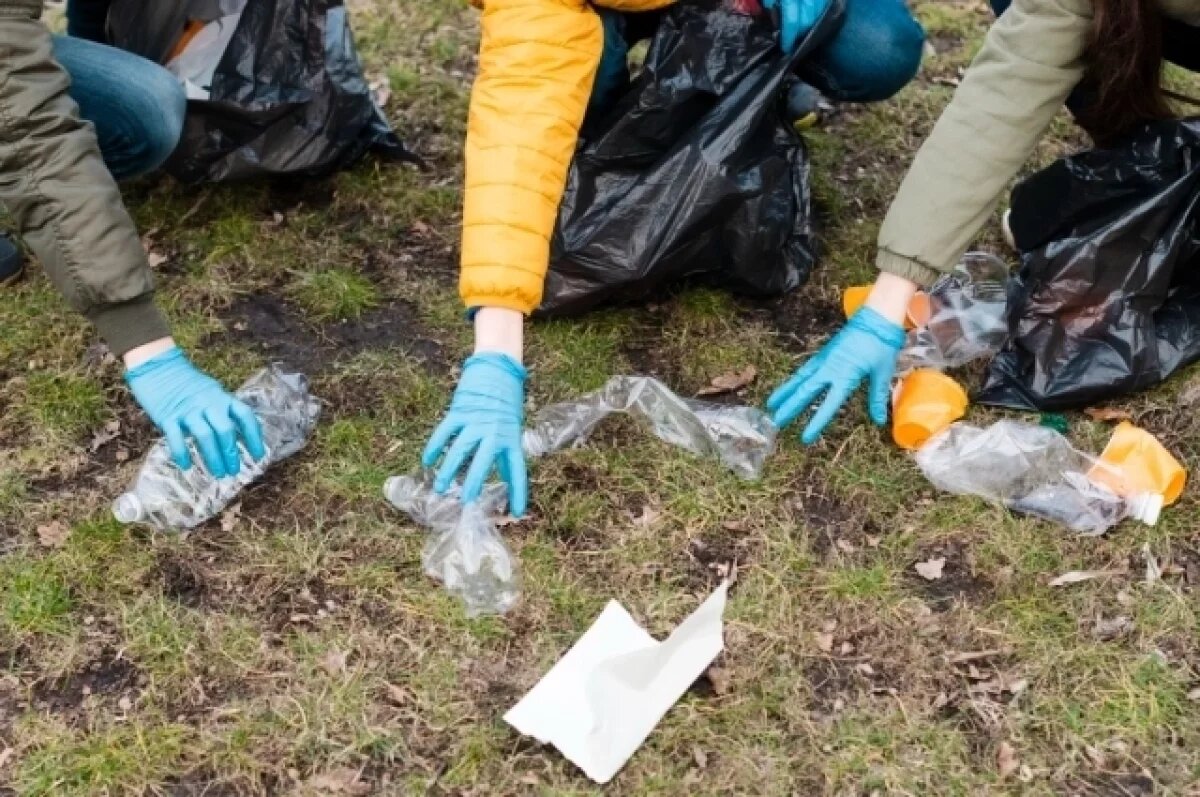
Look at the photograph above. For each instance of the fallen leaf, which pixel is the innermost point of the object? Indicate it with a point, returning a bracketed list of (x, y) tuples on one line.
[(1097, 756), (846, 649), (1108, 414), (730, 381), (824, 642), (230, 518), (343, 780), (122, 455), (932, 569), (397, 694), (648, 518), (1007, 762), (421, 228), (110, 432), (719, 678), (1109, 629), (1194, 695), (334, 661), (865, 669), (5, 754), (53, 534), (737, 526), (941, 701), (845, 546), (963, 658), (1077, 576), (125, 704), (156, 259), (700, 757)]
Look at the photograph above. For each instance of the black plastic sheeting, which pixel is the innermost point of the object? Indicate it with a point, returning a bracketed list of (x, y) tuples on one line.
[(288, 96), (1107, 301), (694, 173)]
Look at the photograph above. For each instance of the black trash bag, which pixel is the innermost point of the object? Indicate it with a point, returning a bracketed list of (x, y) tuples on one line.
[(694, 173), (288, 96), (1107, 301)]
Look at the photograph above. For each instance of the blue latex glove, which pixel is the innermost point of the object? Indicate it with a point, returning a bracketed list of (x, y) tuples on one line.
[(485, 420), (184, 402), (796, 18), (866, 348)]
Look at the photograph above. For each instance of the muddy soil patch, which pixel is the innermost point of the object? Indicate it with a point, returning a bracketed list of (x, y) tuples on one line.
[(107, 675), (799, 319), (717, 553), (957, 582), (281, 331)]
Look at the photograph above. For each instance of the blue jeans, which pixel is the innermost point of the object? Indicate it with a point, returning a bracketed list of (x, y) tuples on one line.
[(875, 53), (136, 106)]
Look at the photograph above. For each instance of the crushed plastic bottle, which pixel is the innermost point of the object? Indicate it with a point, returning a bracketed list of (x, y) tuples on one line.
[(1032, 470), (966, 317), (741, 438), (464, 550), (167, 498)]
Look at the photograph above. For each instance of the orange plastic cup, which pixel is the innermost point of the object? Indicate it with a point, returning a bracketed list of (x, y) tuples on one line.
[(925, 403), (918, 309), (1139, 464)]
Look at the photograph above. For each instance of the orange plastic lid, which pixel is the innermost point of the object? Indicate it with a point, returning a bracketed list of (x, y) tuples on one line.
[(1137, 463)]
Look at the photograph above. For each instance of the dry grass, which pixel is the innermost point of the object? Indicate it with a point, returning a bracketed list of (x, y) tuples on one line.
[(304, 647)]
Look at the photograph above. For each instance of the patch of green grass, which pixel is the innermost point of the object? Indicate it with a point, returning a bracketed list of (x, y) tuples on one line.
[(122, 759), (162, 638), (871, 583), (35, 596), (63, 403), (336, 294)]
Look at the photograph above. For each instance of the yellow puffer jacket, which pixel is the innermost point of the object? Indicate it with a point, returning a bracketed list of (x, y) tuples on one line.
[(537, 61)]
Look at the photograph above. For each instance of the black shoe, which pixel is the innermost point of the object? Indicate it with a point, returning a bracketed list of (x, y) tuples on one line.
[(12, 263)]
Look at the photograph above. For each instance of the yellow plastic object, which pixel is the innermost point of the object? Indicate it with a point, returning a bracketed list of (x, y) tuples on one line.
[(925, 403), (918, 309), (1139, 464)]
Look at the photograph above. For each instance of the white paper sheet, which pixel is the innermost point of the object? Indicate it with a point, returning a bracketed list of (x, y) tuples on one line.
[(604, 697)]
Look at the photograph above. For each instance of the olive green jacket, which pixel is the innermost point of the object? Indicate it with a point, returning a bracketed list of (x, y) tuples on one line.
[(60, 194), (1032, 59)]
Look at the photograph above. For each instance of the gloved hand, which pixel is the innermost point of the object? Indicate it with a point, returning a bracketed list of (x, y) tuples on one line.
[(866, 348), (796, 18), (485, 419), (182, 401)]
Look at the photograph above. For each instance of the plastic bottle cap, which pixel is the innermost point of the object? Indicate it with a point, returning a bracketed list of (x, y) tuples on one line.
[(127, 508), (1146, 507)]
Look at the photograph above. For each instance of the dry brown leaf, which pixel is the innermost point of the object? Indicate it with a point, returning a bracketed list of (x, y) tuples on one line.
[(1109, 629), (342, 780), (334, 661), (53, 534), (932, 569), (125, 704), (1077, 576), (824, 642), (230, 518), (421, 228), (700, 757), (156, 259), (1108, 414), (730, 381), (397, 694), (964, 658), (845, 546), (719, 678), (1007, 762), (106, 435), (648, 518)]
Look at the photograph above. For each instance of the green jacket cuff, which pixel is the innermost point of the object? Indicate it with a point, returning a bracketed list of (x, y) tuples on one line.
[(130, 324), (906, 267)]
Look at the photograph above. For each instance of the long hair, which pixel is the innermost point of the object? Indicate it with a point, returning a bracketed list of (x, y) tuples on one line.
[(1124, 68)]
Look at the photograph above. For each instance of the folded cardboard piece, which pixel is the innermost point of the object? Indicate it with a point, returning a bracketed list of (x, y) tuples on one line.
[(598, 704)]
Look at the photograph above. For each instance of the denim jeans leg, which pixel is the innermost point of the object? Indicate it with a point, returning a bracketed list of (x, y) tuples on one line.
[(875, 53), (136, 106)]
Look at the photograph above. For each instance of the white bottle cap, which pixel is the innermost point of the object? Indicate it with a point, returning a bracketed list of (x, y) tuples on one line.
[(127, 508), (1146, 507)]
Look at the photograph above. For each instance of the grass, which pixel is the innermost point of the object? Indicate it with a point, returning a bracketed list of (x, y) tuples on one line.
[(298, 644)]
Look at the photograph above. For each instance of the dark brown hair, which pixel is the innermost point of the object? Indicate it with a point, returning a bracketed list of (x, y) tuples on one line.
[(1124, 73)]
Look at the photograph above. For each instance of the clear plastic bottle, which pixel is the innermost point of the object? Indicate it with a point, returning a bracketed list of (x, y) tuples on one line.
[(740, 437), (464, 549), (1032, 470), (167, 498), (966, 317)]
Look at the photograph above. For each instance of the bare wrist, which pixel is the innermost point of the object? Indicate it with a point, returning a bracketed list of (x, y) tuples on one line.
[(136, 356), (890, 297), (499, 329)]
